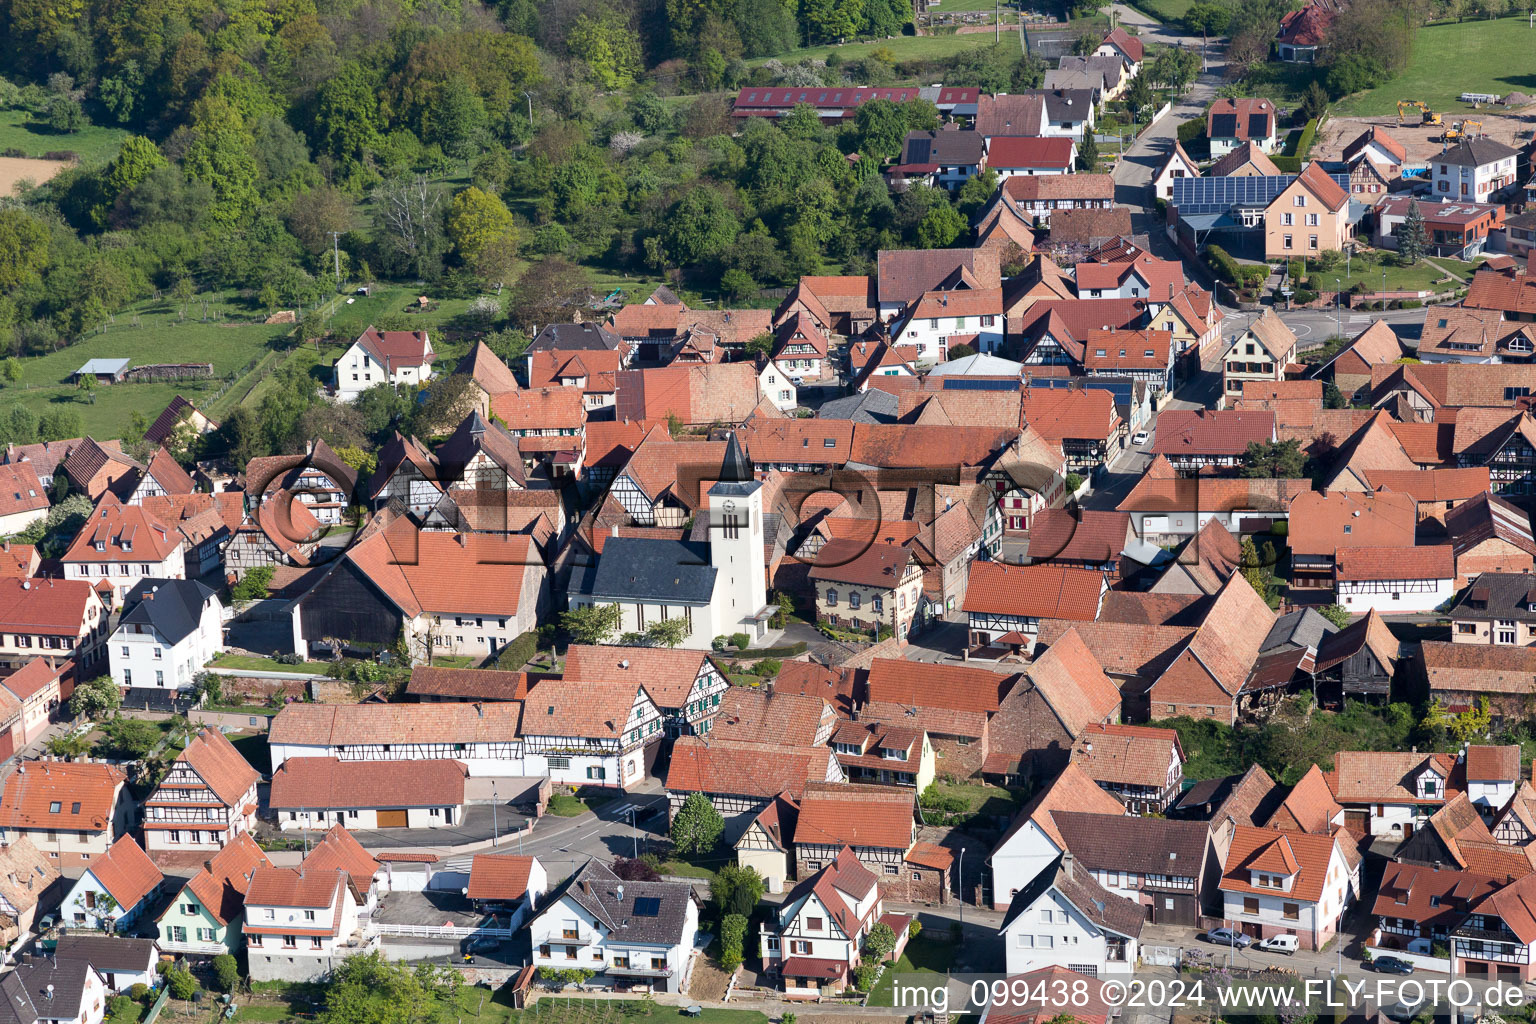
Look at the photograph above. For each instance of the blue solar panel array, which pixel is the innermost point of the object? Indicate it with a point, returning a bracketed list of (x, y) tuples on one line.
[(1120, 387), (1194, 196)]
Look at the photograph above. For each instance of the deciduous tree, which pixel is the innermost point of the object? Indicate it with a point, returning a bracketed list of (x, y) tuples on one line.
[(698, 826)]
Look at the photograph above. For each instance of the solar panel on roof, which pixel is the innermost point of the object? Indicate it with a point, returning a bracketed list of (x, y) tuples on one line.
[(647, 906), (1195, 196), (1258, 126), (1120, 387)]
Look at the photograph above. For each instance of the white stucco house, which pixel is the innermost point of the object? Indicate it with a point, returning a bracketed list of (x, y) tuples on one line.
[(1289, 883), (637, 936), (940, 320), (400, 358), (1064, 918), (116, 888), (168, 631)]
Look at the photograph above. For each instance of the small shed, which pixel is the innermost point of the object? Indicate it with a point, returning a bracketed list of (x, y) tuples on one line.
[(106, 371)]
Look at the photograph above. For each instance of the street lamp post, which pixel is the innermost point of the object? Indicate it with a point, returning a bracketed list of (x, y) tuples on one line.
[(1383, 289), (1338, 310), (495, 831), (636, 829)]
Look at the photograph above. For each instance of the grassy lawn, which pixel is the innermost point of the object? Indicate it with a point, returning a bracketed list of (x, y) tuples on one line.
[(1281, 83), (242, 709), (1163, 10), (700, 865), (255, 664), (1457, 268), (566, 805), (561, 1010), (1448, 60), (980, 799), (452, 661), (161, 337), (1420, 277), (95, 145), (925, 954), (902, 48)]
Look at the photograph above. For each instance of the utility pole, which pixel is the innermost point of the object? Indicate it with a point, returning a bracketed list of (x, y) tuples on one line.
[(336, 253), (997, 21), (529, 97), (960, 884), (495, 832)]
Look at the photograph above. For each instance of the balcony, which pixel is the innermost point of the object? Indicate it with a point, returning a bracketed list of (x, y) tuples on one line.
[(196, 947), (633, 971)]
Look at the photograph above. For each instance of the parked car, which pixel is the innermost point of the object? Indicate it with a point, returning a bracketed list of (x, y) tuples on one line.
[(1228, 937), (1139, 438), (1393, 965), (1287, 944)]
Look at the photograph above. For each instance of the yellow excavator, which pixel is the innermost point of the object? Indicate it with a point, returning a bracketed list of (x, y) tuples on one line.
[(1426, 115), (1461, 130)]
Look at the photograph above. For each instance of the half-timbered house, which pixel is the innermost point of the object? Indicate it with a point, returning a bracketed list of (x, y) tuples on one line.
[(407, 471), (1005, 603), (1157, 862), (876, 822), (205, 800), (1141, 766), (816, 937), (1497, 938), (592, 734), (483, 736), (686, 685)]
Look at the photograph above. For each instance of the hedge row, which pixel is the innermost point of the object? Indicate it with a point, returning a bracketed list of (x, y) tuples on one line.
[(519, 652), (1223, 265)]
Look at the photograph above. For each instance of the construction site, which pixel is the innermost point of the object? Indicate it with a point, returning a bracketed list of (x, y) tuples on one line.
[(1424, 134)]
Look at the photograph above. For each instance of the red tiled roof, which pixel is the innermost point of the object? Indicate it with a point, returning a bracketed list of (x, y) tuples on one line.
[(862, 563), (1261, 849), (223, 768), (1038, 591), (338, 849), (1136, 755), (744, 768), (1322, 524), (147, 538), (446, 573), (1018, 151), (295, 887), (1432, 484), (20, 490), (84, 795), (326, 783), (1306, 27), (1208, 432), (545, 408), (222, 883), (126, 872), (923, 684), (1402, 562), (1126, 350), (499, 876), (858, 816), (396, 349), (668, 673)]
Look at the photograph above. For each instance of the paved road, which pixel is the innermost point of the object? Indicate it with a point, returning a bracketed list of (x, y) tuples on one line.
[(1312, 325)]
